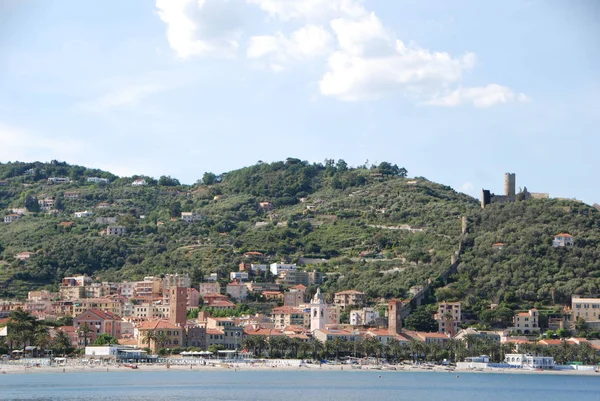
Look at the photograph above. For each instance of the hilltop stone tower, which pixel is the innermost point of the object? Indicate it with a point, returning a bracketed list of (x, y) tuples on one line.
[(178, 305), (394, 316), (510, 180), (318, 309)]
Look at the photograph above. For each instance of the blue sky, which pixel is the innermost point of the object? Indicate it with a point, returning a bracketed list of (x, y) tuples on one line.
[(456, 91)]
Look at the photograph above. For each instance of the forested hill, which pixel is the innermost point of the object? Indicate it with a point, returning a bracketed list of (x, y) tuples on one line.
[(368, 228)]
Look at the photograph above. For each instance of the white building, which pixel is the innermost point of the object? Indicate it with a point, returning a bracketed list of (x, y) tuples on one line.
[(529, 361), (98, 180), (139, 182), (277, 268), (258, 268), (190, 217), (363, 317), (59, 180), (79, 215), (240, 276), (9, 218)]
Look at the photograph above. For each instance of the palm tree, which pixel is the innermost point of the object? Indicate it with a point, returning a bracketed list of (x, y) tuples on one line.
[(249, 343), (85, 330), (161, 339), (62, 342), (42, 336), (149, 337), (295, 344), (21, 328), (316, 347)]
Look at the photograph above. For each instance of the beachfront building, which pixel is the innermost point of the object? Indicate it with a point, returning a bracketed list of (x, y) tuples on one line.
[(95, 322), (157, 334), (529, 361)]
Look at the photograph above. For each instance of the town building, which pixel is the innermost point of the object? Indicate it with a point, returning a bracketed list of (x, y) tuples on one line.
[(363, 317), (94, 322), (209, 288), (79, 215), (448, 317), (157, 334), (277, 268), (526, 322), (239, 276), (237, 291), (284, 316), (348, 298), (587, 309), (529, 361), (139, 182)]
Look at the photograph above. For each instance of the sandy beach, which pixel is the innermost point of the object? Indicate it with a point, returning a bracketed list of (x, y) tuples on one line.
[(234, 367)]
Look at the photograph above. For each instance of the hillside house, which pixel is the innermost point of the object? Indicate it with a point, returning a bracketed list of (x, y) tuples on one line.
[(139, 182), (71, 195), (59, 180), (9, 218), (562, 240), (98, 180), (190, 217), (115, 230), (79, 215)]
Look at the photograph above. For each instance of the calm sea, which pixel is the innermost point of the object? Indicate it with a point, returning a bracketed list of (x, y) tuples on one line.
[(288, 386)]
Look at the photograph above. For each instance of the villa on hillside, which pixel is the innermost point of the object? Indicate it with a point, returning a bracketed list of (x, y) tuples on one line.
[(563, 240)]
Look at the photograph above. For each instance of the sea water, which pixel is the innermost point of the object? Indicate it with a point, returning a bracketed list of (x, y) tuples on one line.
[(288, 386)]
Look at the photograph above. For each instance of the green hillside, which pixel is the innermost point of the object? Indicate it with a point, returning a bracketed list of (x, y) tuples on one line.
[(368, 228)]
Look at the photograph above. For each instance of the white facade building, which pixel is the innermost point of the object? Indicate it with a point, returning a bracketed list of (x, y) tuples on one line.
[(529, 361), (79, 215), (277, 268)]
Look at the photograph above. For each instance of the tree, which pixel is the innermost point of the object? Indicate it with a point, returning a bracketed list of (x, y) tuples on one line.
[(31, 204), (105, 339), (149, 337), (62, 342), (421, 320), (209, 178), (167, 181), (85, 330), (21, 328)]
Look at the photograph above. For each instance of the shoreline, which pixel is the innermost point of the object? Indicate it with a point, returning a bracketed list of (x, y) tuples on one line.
[(234, 367)]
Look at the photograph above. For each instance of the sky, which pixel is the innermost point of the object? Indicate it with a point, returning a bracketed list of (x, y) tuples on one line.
[(459, 91)]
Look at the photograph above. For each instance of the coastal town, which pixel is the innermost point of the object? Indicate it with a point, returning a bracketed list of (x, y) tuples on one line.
[(165, 317)]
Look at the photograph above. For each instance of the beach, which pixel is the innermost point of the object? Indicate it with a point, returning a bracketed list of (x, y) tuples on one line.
[(281, 365)]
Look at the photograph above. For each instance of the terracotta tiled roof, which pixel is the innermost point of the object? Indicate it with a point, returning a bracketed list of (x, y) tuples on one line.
[(350, 292), (563, 235), (157, 324)]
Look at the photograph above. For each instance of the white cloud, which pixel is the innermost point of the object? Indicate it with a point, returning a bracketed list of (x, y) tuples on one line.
[(201, 27), (305, 43), (371, 62), (482, 96), (310, 10), (21, 144)]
